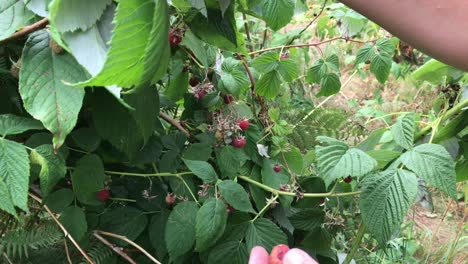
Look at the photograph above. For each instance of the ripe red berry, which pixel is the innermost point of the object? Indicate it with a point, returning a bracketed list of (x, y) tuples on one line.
[(277, 254), (103, 195), (170, 199), (277, 168), (284, 56), (348, 179), (228, 99), (194, 81), (243, 124), (199, 95), (174, 39), (238, 142)]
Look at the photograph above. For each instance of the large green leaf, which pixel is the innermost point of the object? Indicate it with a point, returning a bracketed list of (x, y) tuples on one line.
[(74, 220), (211, 222), (336, 160), (293, 160), (266, 62), (403, 131), (277, 14), (39, 7), (365, 54), (88, 178), (178, 86), (269, 84), (263, 232), (434, 164), (235, 195), (130, 58), (434, 71), (229, 252), (125, 221), (329, 85), (13, 15), (202, 170), (380, 66), (198, 47), (308, 219), (233, 79), (452, 128), (14, 176), (180, 229), (53, 167), (272, 178), (45, 95), (71, 15), (230, 161), (385, 199), (12, 125)]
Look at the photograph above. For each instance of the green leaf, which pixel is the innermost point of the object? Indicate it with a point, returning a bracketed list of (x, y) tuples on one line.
[(403, 131), (385, 199), (14, 175), (230, 161), (13, 15), (86, 138), (180, 229), (365, 54), (336, 160), (269, 85), (289, 69), (45, 95), (39, 7), (372, 140), (198, 47), (88, 178), (293, 160), (211, 222), (235, 195), (380, 66), (277, 14), (200, 6), (178, 86), (462, 170), (202, 170), (454, 127), (71, 15), (383, 157), (272, 178), (198, 151), (74, 221), (6, 202), (316, 73), (434, 72), (156, 233), (53, 167), (434, 164), (263, 232), (59, 200), (308, 219), (125, 221), (333, 62), (233, 79), (130, 59), (266, 62), (385, 47), (229, 252), (12, 125), (329, 85)]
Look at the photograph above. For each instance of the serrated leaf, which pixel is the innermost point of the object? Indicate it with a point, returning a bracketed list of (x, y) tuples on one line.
[(269, 85), (365, 53), (385, 200), (6, 202), (272, 178), (266, 62), (317, 72), (13, 15), (180, 229), (125, 221), (202, 170), (88, 178), (178, 86), (198, 47), (229, 252), (53, 167), (403, 131), (333, 62), (372, 140), (45, 95), (14, 175), (289, 69), (230, 160), (156, 233), (198, 151), (74, 221), (336, 160), (263, 232), (277, 14), (211, 222), (385, 47), (233, 79), (380, 66), (329, 85), (308, 219), (383, 157), (59, 200), (12, 125), (71, 15), (434, 164), (130, 58), (293, 160), (39, 7), (86, 138), (235, 195), (200, 6)]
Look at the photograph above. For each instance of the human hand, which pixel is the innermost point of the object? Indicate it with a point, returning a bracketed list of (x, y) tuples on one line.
[(280, 254)]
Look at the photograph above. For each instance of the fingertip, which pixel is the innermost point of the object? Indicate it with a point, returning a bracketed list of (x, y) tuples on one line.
[(258, 255), (298, 256)]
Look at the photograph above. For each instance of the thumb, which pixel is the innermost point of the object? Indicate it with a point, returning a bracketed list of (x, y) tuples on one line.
[(298, 256)]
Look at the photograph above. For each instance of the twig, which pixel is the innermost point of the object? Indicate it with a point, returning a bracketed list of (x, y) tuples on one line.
[(247, 32), (311, 22), (26, 30), (265, 32), (7, 258), (67, 235), (114, 248), (174, 123), (67, 252), (123, 238)]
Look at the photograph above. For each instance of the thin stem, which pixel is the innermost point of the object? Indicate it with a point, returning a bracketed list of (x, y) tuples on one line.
[(114, 248), (67, 235), (27, 30), (247, 32), (142, 250), (67, 252), (123, 200), (160, 174), (190, 191), (309, 195), (311, 22), (7, 258), (356, 244), (270, 202), (174, 122)]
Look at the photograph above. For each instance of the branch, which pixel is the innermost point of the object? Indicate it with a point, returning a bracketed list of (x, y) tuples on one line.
[(247, 32), (114, 248), (174, 123), (67, 235), (123, 238), (27, 30), (311, 22)]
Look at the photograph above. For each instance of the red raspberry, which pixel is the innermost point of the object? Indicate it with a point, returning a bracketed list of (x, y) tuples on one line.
[(348, 179), (277, 168), (277, 254), (199, 95), (174, 39), (194, 82), (103, 195), (170, 199), (228, 99), (238, 142), (243, 124)]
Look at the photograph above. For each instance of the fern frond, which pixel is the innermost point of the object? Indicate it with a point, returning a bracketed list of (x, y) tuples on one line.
[(100, 254)]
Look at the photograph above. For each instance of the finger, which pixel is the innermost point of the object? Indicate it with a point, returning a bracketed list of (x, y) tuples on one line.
[(258, 255), (298, 256), (277, 254)]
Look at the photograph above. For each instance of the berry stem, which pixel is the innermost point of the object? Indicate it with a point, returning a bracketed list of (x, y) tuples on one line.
[(270, 202)]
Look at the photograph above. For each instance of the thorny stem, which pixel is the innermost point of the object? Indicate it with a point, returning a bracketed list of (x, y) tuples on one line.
[(356, 244), (309, 195), (311, 22), (270, 202)]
